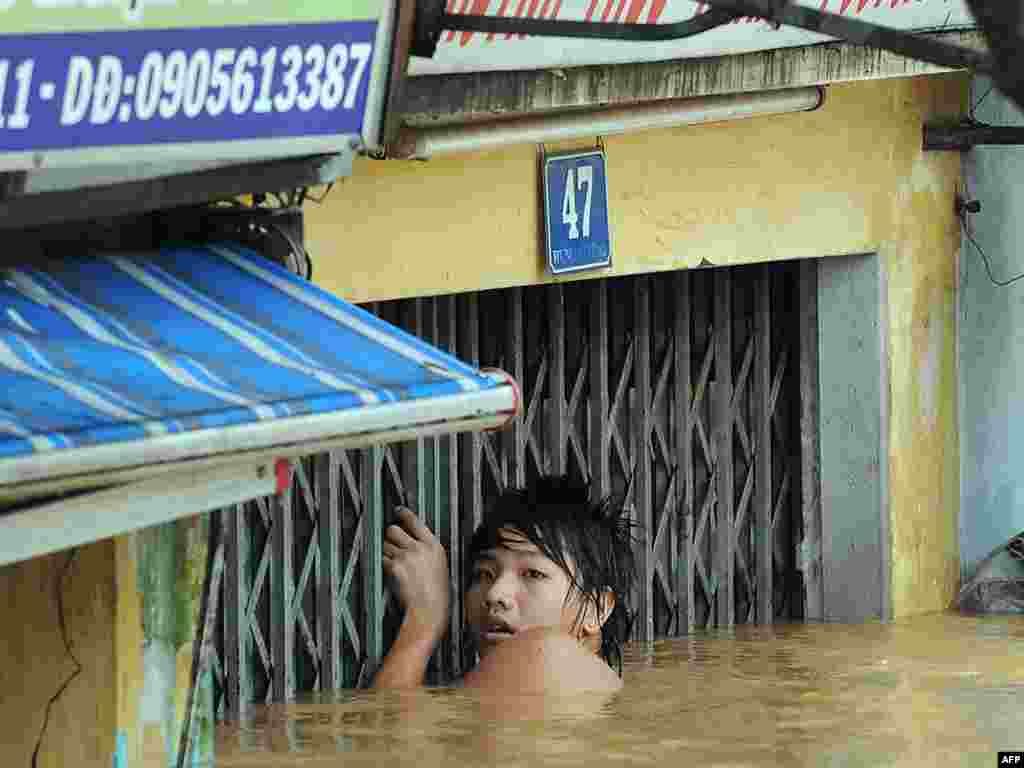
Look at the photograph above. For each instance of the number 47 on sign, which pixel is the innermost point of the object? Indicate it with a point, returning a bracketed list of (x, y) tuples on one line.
[(576, 212), (585, 175)]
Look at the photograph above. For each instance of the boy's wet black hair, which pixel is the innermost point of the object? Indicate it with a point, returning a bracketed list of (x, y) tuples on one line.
[(555, 514)]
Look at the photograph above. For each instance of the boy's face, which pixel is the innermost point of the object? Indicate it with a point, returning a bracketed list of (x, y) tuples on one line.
[(514, 587)]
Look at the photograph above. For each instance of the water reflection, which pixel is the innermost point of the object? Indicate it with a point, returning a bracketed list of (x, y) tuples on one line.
[(936, 688)]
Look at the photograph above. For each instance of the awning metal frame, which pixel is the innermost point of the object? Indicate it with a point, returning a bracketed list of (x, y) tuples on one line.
[(45, 528), (69, 470)]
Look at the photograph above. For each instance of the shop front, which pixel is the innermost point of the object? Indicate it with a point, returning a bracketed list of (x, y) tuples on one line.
[(759, 353)]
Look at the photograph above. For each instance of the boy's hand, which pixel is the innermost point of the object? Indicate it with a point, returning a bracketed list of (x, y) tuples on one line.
[(418, 565)]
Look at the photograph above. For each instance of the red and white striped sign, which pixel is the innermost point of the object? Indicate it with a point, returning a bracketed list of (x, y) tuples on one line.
[(476, 52)]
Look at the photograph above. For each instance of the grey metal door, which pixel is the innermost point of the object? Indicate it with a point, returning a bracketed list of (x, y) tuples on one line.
[(687, 393)]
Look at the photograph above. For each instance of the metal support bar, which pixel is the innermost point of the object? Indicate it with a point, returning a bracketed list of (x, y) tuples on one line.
[(50, 527), (439, 662), (472, 449), (725, 542), (515, 361), (968, 134), (449, 309), (557, 428), (860, 32), (328, 501), (372, 493), (282, 590), (683, 341), (641, 475), (600, 396), (232, 647)]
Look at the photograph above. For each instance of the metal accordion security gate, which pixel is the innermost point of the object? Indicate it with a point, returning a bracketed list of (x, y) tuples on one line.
[(690, 394)]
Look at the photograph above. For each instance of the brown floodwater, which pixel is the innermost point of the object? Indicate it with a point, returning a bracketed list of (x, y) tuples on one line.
[(932, 690)]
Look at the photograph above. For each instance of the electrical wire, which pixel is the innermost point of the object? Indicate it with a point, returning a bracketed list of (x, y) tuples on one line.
[(977, 104), (67, 649), (320, 200), (984, 258), (304, 264)]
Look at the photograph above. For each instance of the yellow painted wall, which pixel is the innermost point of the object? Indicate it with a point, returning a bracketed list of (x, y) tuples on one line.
[(34, 663), (848, 178), (920, 245), (100, 719)]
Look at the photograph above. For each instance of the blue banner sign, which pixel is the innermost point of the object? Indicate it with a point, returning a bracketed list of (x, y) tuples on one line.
[(576, 212), (151, 86)]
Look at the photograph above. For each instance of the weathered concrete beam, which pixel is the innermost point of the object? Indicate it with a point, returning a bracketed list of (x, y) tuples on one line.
[(460, 98)]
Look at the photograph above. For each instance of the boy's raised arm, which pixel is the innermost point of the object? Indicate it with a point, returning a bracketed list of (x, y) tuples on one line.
[(417, 564)]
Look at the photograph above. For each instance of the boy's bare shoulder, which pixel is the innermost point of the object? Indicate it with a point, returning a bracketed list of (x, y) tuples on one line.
[(542, 660)]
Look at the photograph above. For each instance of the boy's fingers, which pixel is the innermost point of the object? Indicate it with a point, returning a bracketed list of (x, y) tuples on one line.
[(390, 550), (413, 524), (398, 536)]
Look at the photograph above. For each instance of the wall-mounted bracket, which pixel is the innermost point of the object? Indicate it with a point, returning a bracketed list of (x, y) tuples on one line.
[(968, 134)]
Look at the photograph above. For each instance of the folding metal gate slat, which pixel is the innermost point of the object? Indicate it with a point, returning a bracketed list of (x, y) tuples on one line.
[(692, 393)]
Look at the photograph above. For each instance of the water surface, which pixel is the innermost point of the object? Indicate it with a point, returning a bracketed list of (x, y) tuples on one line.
[(933, 690)]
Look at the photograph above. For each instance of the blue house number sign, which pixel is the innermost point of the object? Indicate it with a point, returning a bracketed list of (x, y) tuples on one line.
[(576, 212)]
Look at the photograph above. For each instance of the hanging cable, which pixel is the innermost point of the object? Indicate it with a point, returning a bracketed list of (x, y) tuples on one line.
[(67, 649), (988, 266), (963, 208), (323, 196), (303, 264), (974, 107)]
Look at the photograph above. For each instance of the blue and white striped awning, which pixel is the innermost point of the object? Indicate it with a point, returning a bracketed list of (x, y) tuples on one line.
[(120, 366)]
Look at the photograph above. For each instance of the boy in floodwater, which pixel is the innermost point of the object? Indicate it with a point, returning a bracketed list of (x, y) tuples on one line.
[(549, 574)]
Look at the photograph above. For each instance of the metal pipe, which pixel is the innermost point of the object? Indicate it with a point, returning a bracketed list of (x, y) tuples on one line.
[(423, 143)]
